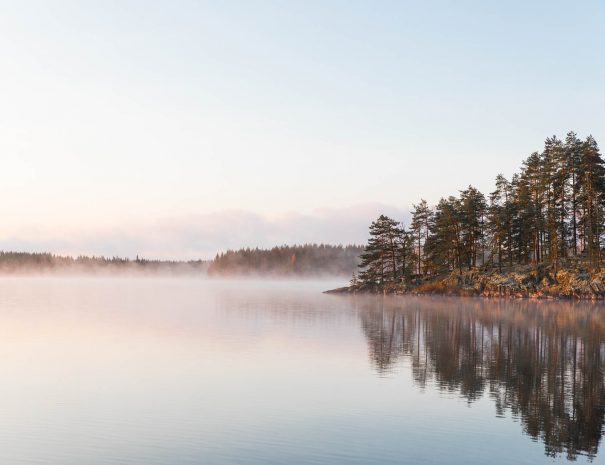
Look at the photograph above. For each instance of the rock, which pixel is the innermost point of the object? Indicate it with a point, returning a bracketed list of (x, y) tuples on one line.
[(521, 282)]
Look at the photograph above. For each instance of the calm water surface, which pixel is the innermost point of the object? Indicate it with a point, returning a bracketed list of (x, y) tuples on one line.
[(182, 371)]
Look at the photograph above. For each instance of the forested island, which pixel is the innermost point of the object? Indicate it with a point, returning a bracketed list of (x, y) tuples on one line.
[(285, 260), (538, 234)]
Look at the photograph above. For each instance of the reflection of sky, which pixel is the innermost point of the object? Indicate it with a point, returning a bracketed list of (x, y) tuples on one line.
[(115, 115), (179, 371)]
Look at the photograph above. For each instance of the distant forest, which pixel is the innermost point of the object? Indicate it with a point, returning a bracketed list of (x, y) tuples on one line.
[(551, 213), (24, 262), (297, 260)]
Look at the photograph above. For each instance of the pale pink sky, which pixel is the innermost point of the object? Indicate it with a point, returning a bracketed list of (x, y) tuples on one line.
[(176, 130)]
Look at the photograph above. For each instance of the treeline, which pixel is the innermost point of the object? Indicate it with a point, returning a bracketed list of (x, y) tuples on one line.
[(25, 262), (307, 259), (551, 211)]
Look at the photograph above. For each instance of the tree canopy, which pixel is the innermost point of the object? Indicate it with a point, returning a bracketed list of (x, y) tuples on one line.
[(552, 210)]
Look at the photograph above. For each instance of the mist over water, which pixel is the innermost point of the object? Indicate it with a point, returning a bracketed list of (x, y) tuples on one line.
[(159, 371)]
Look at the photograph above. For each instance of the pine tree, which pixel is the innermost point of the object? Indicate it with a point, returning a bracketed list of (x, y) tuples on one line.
[(592, 188), (495, 220), (405, 248), (421, 223), (381, 260), (499, 220), (573, 151), (552, 185), (444, 245), (473, 208)]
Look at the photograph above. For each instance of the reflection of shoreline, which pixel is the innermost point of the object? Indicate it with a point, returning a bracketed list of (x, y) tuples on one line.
[(542, 361)]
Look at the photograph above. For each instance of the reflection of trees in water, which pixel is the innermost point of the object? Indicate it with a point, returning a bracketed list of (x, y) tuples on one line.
[(543, 361)]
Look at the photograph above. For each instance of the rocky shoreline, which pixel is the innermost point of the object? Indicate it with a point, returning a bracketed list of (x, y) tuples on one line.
[(534, 282)]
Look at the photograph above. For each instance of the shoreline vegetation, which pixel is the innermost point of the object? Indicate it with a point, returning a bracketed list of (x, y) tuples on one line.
[(538, 235)]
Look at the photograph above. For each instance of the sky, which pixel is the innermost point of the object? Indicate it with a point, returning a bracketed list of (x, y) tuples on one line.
[(178, 129)]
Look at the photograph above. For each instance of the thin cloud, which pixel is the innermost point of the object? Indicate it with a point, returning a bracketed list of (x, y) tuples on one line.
[(202, 236)]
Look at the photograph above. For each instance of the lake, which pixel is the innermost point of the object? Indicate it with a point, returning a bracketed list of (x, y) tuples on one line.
[(164, 371)]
